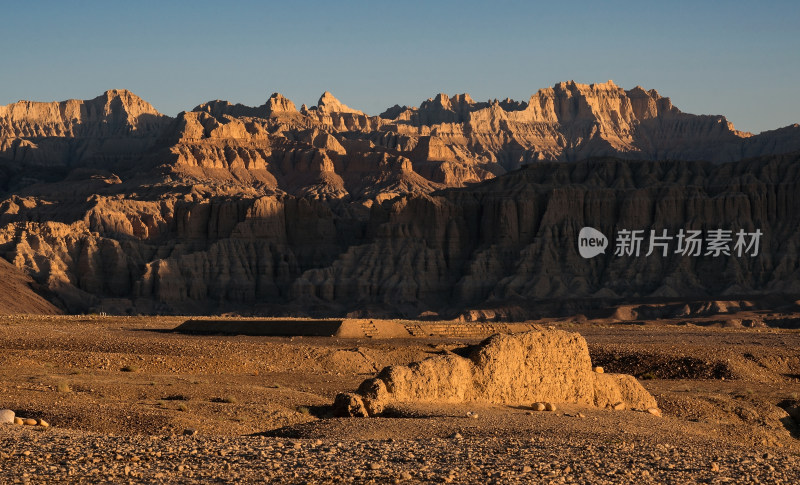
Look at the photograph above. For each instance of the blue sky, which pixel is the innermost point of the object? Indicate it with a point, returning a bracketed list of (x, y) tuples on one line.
[(733, 58)]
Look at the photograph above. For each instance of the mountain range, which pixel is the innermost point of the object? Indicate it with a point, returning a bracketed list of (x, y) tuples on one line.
[(454, 207)]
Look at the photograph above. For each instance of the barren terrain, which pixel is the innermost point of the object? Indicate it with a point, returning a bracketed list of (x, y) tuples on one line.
[(129, 400)]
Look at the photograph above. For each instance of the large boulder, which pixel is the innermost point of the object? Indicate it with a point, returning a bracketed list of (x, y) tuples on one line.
[(541, 365)]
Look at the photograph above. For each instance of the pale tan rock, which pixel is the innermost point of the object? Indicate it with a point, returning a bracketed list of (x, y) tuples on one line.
[(550, 407), (7, 416), (654, 411), (598, 369), (538, 406), (29, 422), (43, 423), (19, 421)]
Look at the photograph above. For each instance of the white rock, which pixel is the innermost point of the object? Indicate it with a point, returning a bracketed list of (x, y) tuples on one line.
[(7, 416)]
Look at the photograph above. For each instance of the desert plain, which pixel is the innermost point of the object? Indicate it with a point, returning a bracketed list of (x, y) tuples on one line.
[(128, 400)]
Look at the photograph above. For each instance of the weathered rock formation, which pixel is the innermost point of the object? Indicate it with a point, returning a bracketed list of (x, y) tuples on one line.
[(516, 369), (111, 206)]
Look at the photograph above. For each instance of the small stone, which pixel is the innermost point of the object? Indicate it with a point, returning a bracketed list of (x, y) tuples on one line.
[(374, 466), (581, 415), (654, 411), (715, 467), (189, 432), (526, 469), (19, 421), (406, 476), (550, 406), (538, 406), (456, 436), (472, 415), (29, 422), (7, 416), (598, 369), (43, 423), (620, 406)]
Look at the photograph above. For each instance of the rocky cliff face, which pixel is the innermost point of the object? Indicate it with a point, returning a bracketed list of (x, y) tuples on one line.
[(112, 206)]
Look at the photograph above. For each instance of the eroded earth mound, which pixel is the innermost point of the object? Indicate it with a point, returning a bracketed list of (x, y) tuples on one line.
[(516, 369)]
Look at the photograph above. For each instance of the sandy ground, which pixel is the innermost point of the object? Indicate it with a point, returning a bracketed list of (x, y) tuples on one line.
[(120, 394)]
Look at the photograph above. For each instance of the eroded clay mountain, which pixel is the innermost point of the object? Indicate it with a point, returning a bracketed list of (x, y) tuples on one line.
[(112, 206)]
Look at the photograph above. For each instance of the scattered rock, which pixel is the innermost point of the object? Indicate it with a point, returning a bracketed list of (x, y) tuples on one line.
[(538, 406), (598, 369), (471, 414), (44, 423), (19, 421), (6, 416), (619, 406), (189, 432), (374, 466), (654, 411), (550, 407), (349, 405), (29, 422), (456, 436)]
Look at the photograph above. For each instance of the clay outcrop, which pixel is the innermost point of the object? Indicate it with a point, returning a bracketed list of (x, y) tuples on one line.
[(458, 207), (514, 369)]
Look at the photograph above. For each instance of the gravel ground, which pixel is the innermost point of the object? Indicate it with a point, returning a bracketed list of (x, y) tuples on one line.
[(119, 393), (59, 456)]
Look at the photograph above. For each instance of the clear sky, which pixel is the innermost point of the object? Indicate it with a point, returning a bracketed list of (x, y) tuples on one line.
[(740, 59)]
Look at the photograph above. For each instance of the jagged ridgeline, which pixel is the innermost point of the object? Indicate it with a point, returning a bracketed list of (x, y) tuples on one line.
[(452, 207)]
